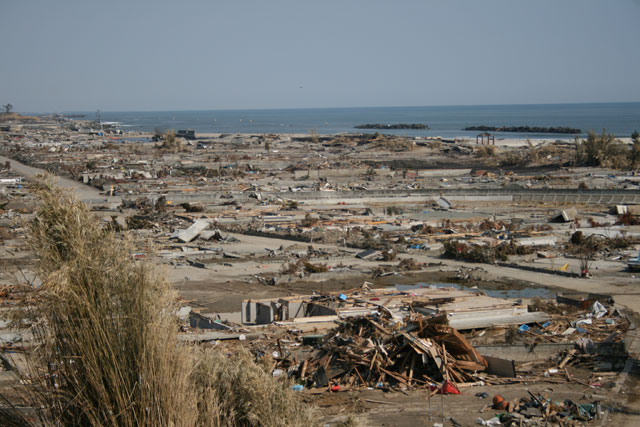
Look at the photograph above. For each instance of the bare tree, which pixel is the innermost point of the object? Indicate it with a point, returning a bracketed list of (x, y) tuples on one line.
[(8, 108)]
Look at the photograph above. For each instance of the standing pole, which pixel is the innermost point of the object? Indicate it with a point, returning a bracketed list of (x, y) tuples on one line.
[(442, 402), (429, 399)]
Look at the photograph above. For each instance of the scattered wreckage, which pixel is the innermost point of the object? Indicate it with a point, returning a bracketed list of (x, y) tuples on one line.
[(429, 338)]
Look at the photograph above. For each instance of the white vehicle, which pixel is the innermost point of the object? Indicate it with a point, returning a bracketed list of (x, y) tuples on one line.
[(634, 263)]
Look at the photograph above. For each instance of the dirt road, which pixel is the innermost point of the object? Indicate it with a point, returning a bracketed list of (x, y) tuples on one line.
[(84, 192)]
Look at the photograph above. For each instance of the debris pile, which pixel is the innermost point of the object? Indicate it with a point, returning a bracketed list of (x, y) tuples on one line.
[(383, 352), (462, 309), (541, 410)]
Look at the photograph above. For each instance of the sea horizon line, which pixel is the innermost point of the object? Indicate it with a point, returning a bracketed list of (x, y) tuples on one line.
[(331, 108)]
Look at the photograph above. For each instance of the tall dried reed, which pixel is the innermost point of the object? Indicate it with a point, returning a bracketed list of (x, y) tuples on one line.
[(106, 349)]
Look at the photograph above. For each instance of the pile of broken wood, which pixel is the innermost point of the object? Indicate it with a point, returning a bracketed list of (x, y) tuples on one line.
[(386, 352)]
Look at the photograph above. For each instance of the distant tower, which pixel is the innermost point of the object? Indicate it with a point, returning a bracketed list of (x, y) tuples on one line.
[(99, 118)]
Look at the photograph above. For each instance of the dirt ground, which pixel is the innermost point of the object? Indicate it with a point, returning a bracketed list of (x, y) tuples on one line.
[(377, 408)]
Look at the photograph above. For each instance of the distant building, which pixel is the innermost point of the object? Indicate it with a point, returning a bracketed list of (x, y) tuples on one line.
[(186, 134)]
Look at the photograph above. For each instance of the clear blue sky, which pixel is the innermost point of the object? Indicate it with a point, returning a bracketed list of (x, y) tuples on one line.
[(211, 54)]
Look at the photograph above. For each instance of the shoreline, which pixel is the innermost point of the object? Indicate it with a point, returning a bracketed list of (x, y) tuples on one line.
[(463, 140), (447, 122)]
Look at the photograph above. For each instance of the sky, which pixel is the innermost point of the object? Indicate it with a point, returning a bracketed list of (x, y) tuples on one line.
[(158, 55)]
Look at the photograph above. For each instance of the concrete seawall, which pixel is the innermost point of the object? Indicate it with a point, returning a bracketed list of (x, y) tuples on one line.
[(593, 196)]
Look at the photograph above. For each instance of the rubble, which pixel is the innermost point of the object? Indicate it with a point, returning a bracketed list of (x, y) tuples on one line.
[(192, 232), (289, 223), (541, 410), (381, 339), (458, 308), (372, 352)]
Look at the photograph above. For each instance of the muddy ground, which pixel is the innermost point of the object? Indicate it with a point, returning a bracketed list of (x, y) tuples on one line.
[(225, 297)]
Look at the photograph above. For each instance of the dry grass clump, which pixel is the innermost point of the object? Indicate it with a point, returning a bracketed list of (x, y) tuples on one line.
[(106, 350), (518, 157), (392, 143), (580, 244), (17, 117), (309, 221), (188, 207), (170, 143), (409, 264), (459, 250), (106, 337), (241, 393), (303, 265), (602, 150), (486, 150)]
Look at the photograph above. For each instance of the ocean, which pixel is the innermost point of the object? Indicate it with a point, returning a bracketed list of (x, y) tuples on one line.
[(621, 119)]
